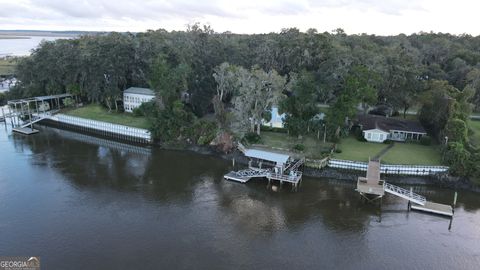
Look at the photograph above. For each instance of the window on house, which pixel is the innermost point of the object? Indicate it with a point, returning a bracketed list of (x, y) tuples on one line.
[(369, 135)]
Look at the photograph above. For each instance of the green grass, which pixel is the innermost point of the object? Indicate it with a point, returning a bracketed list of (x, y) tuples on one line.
[(413, 154), (7, 67), (475, 137), (353, 149), (282, 141), (401, 153), (96, 112)]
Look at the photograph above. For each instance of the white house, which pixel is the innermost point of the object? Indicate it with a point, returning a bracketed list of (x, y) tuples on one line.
[(276, 119), (379, 129), (375, 135), (133, 97)]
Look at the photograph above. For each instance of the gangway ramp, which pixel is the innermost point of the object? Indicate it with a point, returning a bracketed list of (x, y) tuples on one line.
[(37, 119), (406, 194), (243, 176)]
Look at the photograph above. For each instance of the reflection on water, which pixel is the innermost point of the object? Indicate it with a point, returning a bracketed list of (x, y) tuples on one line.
[(85, 202)]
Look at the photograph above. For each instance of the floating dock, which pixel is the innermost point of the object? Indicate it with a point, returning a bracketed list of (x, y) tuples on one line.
[(244, 176), (26, 131), (434, 208)]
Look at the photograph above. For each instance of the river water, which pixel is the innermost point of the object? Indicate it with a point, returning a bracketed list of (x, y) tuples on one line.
[(23, 45), (81, 202)]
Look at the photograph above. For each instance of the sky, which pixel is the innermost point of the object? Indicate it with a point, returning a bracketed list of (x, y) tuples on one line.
[(380, 17)]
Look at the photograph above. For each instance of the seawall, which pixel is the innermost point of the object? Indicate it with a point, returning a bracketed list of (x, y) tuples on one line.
[(115, 131)]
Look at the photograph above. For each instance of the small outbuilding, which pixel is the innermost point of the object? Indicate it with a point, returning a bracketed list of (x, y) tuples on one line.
[(133, 97), (377, 128)]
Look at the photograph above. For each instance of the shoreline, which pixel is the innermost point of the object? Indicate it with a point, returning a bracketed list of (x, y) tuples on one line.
[(441, 180)]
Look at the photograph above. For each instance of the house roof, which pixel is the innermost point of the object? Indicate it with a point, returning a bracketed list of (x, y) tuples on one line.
[(376, 130), (387, 124), (275, 157), (140, 91)]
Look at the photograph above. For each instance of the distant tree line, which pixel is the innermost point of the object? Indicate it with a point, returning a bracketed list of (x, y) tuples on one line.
[(99, 67)]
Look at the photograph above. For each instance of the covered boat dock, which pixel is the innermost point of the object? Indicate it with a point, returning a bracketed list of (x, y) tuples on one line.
[(270, 165)]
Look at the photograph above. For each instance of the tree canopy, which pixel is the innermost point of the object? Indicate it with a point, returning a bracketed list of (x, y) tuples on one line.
[(99, 67)]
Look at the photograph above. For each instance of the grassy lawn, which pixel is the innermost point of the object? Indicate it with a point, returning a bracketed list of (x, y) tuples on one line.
[(413, 154), (475, 126), (282, 141), (7, 67), (401, 153), (353, 149), (97, 112)]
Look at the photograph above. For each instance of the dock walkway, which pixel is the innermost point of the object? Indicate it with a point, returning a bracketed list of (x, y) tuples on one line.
[(372, 185)]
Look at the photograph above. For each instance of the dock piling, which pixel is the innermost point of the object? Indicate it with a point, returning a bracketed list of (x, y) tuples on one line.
[(454, 203)]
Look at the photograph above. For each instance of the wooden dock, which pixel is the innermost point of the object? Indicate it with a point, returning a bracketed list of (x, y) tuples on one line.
[(371, 185), (293, 178), (24, 130), (434, 208)]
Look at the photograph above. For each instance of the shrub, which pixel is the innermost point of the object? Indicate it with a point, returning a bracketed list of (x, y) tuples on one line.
[(252, 137), (426, 140), (456, 130), (137, 112), (388, 142), (203, 140), (273, 129), (299, 147), (359, 134), (338, 150), (325, 151), (68, 102), (457, 157), (203, 131)]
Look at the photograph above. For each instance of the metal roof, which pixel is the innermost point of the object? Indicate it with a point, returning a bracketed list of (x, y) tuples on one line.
[(140, 91), (40, 98), (52, 97), (275, 157)]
